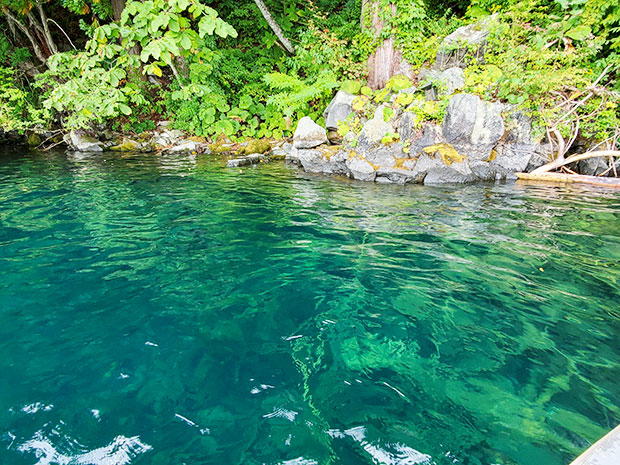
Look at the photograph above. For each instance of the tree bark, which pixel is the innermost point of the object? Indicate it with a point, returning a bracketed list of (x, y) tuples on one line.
[(24, 30), (275, 27), (117, 8), (46, 30), (387, 60)]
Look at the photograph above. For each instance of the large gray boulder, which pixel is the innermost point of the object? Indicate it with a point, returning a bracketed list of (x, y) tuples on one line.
[(394, 176), (308, 134), (406, 126), (383, 155), (82, 142), (467, 40), (514, 152), (446, 82), (361, 169), (455, 173), (185, 146), (326, 160), (593, 166), (338, 109), (432, 135), (374, 130), (472, 126), (543, 153)]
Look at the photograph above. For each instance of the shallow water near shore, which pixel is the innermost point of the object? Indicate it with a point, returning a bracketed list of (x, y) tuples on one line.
[(167, 310)]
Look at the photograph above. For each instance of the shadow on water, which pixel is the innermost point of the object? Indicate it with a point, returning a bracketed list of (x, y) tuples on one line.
[(165, 309)]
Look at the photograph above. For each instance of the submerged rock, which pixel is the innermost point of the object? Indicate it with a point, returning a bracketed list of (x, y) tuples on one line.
[(251, 159), (308, 134)]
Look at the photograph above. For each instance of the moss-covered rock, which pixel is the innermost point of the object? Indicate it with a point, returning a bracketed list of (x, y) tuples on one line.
[(218, 148), (33, 139), (257, 146), (447, 153), (127, 145)]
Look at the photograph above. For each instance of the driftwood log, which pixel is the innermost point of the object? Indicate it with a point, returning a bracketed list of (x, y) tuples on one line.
[(570, 179)]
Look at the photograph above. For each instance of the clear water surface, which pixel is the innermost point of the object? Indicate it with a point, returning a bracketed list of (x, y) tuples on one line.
[(166, 310)]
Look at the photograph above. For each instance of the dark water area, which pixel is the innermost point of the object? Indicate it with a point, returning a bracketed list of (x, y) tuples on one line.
[(167, 310)]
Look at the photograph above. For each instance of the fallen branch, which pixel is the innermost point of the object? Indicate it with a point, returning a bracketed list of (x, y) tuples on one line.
[(573, 158), (570, 179), (275, 27)]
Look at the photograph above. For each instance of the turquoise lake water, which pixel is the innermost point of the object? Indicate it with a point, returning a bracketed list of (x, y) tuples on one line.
[(167, 310)]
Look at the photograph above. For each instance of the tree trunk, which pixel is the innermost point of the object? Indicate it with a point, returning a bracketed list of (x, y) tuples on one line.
[(275, 27), (386, 61), (46, 30), (24, 30), (117, 8)]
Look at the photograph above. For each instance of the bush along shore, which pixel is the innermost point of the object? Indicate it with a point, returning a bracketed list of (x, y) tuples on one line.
[(414, 92)]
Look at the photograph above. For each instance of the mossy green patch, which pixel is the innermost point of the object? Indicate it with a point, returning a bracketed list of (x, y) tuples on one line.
[(257, 146), (447, 153), (330, 151), (126, 146), (34, 139)]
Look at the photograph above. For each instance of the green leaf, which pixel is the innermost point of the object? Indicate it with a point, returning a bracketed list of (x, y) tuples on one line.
[(206, 26), (367, 91), (399, 82), (185, 41), (351, 86), (173, 24), (245, 102), (124, 109), (579, 33)]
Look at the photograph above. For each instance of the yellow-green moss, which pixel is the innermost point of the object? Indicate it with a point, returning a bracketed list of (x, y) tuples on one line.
[(126, 146), (218, 148), (447, 153), (330, 151), (33, 139), (257, 146)]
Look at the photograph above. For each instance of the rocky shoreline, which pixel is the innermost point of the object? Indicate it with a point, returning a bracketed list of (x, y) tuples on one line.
[(476, 141), (432, 133)]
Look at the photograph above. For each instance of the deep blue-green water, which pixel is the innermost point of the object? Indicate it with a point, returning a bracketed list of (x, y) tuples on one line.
[(166, 310)]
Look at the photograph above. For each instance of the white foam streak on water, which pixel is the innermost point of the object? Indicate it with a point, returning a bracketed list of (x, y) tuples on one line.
[(386, 454), (282, 413), (299, 461), (35, 407), (121, 451)]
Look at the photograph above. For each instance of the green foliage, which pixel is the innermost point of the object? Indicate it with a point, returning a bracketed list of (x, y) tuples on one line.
[(99, 83), (296, 97), (541, 53), (9, 54), (17, 111)]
